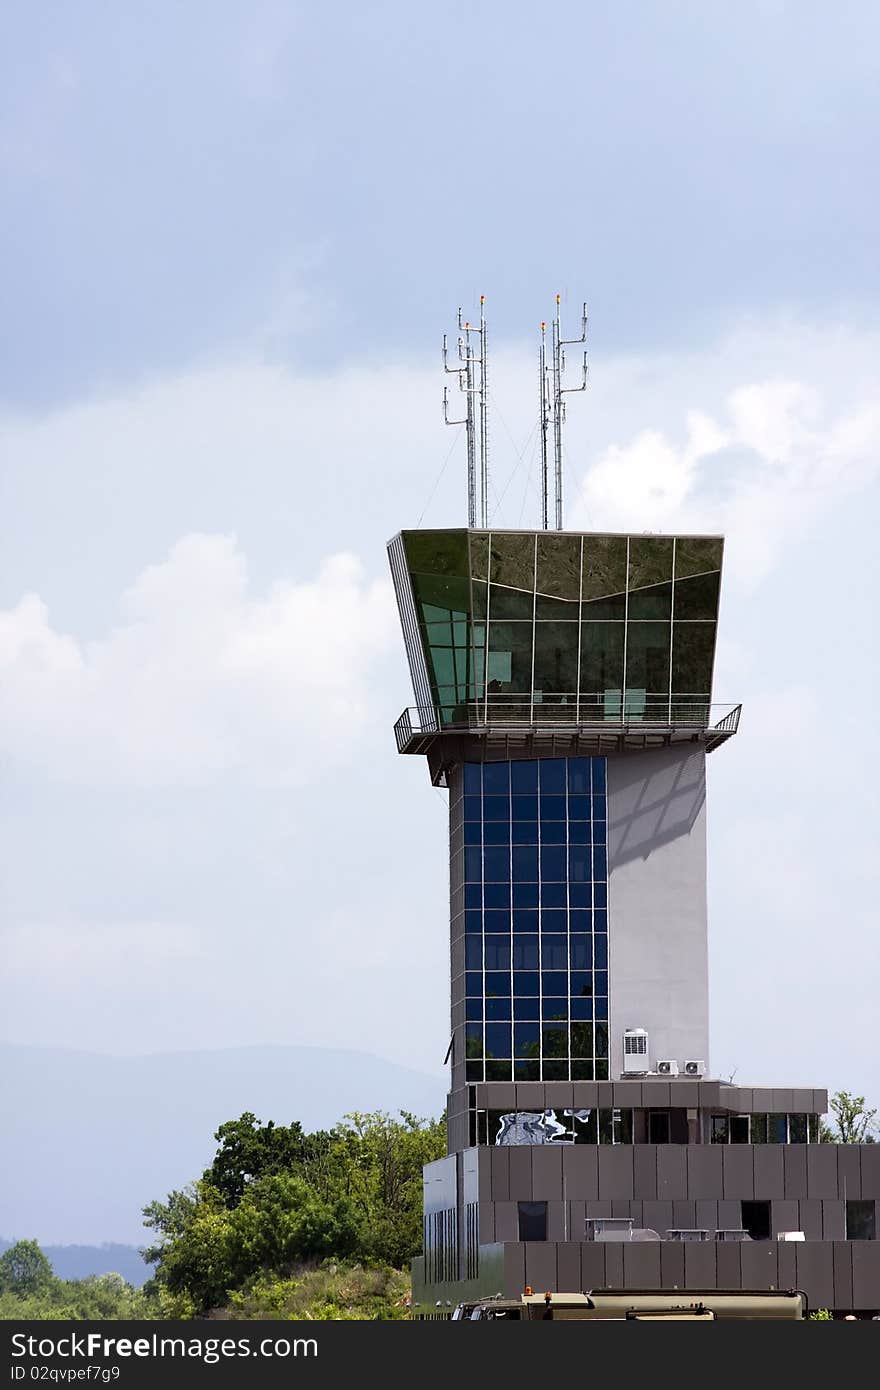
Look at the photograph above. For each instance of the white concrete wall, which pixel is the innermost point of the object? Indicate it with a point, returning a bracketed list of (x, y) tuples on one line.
[(657, 927)]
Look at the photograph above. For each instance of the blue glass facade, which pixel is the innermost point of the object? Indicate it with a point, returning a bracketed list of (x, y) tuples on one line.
[(530, 892)]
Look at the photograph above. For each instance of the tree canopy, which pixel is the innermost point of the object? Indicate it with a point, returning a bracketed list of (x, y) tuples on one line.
[(275, 1198)]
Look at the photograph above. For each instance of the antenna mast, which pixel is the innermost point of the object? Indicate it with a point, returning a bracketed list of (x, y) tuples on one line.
[(545, 423), (556, 406), (467, 360)]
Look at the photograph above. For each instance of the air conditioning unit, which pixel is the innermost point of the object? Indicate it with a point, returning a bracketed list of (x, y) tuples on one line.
[(635, 1052), (695, 1068), (667, 1068)]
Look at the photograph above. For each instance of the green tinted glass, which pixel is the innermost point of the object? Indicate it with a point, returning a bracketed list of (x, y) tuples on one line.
[(559, 567), (693, 650), (556, 658), (650, 560), (697, 554), (602, 658), (698, 597), (479, 543), (604, 576), (513, 560), (510, 658), (647, 659)]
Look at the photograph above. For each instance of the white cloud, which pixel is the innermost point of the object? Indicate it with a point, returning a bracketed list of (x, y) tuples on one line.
[(198, 678), (762, 472)]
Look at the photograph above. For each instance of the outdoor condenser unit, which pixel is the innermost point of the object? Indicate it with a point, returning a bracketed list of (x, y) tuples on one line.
[(667, 1068), (635, 1052), (695, 1068)]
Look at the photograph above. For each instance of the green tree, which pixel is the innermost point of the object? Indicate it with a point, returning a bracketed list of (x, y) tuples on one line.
[(855, 1124), (249, 1150), (276, 1198), (24, 1269)]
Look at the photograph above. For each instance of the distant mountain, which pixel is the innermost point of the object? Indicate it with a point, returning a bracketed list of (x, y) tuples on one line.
[(89, 1139), (79, 1261)]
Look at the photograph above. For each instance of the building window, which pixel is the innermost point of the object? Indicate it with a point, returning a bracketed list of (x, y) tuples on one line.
[(471, 1241), (861, 1221), (739, 1129), (756, 1219), (534, 916), (532, 1218), (720, 1133), (777, 1129), (797, 1129), (658, 1127)]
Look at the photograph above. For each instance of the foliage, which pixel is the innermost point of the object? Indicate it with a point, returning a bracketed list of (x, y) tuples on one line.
[(855, 1124), (30, 1290), (276, 1200), (821, 1315), (327, 1291), (24, 1269)]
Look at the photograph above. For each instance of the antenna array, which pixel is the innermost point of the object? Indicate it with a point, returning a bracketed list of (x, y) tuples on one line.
[(474, 384), (467, 360)]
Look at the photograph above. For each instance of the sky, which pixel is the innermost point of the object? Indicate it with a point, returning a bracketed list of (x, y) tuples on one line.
[(232, 239)]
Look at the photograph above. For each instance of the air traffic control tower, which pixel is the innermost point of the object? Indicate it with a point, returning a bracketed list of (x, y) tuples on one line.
[(563, 697)]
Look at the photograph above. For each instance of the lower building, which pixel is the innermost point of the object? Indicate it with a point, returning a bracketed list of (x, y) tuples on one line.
[(564, 700)]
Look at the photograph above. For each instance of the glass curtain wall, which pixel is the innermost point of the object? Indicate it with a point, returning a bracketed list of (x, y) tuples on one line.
[(535, 918), (539, 627)]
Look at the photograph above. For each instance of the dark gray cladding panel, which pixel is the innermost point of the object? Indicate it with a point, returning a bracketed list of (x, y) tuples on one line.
[(795, 1169), (521, 1173), (870, 1157), (843, 1273), (499, 1161), (514, 1269), (487, 1223), (866, 1273), (684, 1214), (739, 1175), (547, 1171), (614, 1264), (541, 1266), (641, 1265), (585, 1094), (529, 1096), (787, 1264), (627, 1094), (593, 1265), (820, 1103), (581, 1167), (769, 1174), (568, 1268), (700, 1269), (759, 1265), (672, 1264), (506, 1221), (814, 1270), (671, 1171), (645, 1172), (704, 1163), (729, 1265), (657, 1216), (616, 1171), (834, 1220), (707, 1216), (810, 1219), (822, 1170), (655, 1094), (763, 1099), (502, 1095), (849, 1169), (784, 1216), (729, 1215)]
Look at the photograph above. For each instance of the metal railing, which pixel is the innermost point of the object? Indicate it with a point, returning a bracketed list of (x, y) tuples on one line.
[(609, 710)]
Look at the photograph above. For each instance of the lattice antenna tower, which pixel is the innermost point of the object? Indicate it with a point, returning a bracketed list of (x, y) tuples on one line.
[(474, 384), (553, 406)]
